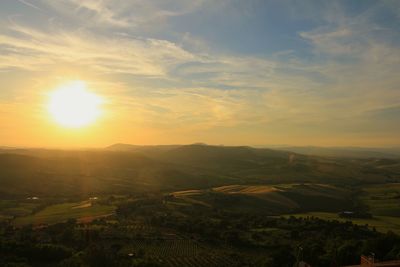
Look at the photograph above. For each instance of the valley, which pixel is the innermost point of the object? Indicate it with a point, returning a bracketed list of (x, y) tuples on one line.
[(196, 204)]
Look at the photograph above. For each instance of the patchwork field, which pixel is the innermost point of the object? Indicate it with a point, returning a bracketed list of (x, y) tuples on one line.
[(382, 200), (270, 199), (11, 208), (62, 212)]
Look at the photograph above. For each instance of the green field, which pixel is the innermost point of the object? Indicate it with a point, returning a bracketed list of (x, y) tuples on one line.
[(381, 223), (62, 212), (11, 208), (383, 199), (270, 199)]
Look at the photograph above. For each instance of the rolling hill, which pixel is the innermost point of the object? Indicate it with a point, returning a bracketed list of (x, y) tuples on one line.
[(95, 172), (270, 199), (254, 165), (345, 152), (125, 169)]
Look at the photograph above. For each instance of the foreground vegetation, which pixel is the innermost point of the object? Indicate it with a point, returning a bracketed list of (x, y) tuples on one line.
[(195, 206), (153, 230), (381, 224)]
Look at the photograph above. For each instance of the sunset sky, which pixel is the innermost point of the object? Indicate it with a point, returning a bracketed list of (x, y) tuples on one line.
[(256, 72)]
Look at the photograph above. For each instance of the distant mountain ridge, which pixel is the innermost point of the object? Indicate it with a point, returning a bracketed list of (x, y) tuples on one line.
[(125, 168), (135, 148), (209, 156), (349, 152)]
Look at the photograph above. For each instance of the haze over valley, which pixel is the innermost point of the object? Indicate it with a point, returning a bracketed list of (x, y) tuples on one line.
[(171, 133)]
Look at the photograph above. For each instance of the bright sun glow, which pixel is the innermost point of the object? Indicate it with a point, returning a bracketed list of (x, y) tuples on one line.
[(73, 106)]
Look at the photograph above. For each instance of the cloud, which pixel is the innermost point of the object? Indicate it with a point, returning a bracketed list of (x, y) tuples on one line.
[(206, 90), (27, 48), (29, 4), (122, 14), (182, 83)]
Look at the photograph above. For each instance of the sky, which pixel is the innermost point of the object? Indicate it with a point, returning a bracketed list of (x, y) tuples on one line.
[(232, 72)]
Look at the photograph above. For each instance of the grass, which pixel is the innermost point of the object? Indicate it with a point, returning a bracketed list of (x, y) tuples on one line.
[(245, 189), (271, 199), (382, 200), (381, 223), (62, 212), (10, 208)]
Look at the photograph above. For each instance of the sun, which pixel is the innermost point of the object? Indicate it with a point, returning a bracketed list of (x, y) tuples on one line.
[(72, 105)]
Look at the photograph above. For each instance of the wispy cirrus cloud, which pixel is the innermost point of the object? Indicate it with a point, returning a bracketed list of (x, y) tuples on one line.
[(181, 80), (29, 4), (122, 14), (28, 48)]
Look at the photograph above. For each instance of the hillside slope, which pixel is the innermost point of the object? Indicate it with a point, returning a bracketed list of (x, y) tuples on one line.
[(172, 168), (254, 165), (271, 199), (91, 172)]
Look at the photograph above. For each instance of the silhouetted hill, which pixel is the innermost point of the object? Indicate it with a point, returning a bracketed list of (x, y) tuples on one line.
[(89, 172), (137, 148), (208, 156), (223, 157), (258, 165), (125, 168), (350, 152)]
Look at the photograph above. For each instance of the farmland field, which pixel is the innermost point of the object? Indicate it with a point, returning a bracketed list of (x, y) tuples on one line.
[(62, 212), (196, 206), (383, 199), (180, 252), (10, 208), (271, 199)]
